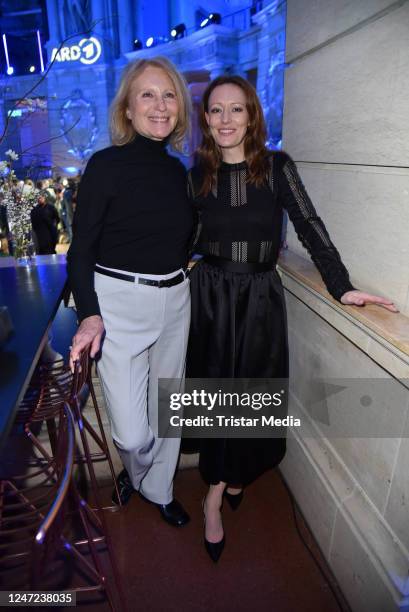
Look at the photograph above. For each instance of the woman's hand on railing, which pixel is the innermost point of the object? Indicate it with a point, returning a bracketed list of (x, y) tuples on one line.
[(89, 335), (360, 298)]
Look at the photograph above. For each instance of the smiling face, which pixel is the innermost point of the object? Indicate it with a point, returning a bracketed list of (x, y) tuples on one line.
[(228, 120), (153, 106)]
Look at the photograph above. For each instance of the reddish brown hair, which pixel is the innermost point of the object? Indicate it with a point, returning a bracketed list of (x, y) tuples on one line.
[(255, 151)]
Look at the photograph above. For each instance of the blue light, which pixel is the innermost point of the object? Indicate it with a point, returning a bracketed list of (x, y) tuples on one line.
[(10, 70), (178, 31), (71, 170), (32, 68), (6, 53), (149, 42), (40, 51), (214, 18)]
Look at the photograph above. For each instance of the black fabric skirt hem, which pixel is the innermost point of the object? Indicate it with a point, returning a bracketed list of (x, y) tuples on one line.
[(238, 329)]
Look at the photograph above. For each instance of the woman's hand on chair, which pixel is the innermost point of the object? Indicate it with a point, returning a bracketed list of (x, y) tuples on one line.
[(89, 335), (360, 298)]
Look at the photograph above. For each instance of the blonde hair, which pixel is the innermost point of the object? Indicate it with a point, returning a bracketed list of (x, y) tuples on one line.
[(122, 130)]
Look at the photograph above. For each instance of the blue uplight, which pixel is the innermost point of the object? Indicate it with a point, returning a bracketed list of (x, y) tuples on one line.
[(71, 170)]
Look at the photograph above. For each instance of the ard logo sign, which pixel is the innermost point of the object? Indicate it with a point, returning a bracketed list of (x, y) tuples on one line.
[(87, 51)]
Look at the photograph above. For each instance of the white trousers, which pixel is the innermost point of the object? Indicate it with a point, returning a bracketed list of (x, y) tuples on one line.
[(146, 339)]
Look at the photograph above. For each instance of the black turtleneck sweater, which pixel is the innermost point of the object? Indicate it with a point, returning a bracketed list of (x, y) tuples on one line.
[(132, 214)]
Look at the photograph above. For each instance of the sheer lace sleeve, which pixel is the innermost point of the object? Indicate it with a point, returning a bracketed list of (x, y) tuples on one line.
[(310, 229)]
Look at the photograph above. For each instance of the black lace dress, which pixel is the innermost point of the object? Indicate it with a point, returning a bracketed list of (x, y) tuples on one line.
[(238, 326)]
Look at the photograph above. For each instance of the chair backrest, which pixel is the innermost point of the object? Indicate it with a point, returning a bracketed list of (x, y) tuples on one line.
[(81, 374), (49, 388)]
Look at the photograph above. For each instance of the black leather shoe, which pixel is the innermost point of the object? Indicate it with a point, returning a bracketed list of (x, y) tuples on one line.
[(125, 489), (173, 513), (234, 501)]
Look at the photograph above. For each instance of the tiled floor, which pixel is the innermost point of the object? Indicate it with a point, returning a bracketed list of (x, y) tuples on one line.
[(264, 567)]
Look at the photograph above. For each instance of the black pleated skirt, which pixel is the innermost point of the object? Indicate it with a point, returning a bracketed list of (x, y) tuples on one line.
[(238, 329)]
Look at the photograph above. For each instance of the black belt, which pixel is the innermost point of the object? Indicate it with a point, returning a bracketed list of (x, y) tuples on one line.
[(237, 266), (167, 282)]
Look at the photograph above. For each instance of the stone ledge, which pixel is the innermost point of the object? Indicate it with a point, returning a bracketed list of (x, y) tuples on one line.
[(382, 335)]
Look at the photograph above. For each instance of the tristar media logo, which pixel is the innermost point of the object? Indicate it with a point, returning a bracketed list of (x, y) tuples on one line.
[(87, 51)]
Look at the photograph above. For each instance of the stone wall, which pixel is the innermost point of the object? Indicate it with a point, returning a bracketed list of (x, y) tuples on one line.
[(345, 109), (345, 119)]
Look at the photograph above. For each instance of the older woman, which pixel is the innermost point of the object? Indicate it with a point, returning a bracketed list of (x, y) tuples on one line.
[(238, 313), (126, 267)]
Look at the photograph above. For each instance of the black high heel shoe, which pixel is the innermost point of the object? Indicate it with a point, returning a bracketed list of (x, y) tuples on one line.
[(234, 501), (213, 549)]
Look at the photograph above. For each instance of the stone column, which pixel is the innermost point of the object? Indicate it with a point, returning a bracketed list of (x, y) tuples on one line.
[(125, 26), (53, 23), (270, 77), (153, 18), (98, 18)]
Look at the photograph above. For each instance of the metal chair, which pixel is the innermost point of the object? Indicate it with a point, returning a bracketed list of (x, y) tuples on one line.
[(52, 386), (28, 487), (51, 539), (34, 508), (24, 501)]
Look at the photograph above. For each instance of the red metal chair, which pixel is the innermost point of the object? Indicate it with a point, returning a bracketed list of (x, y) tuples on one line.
[(51, 538), (34, 528), (51, 386)]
